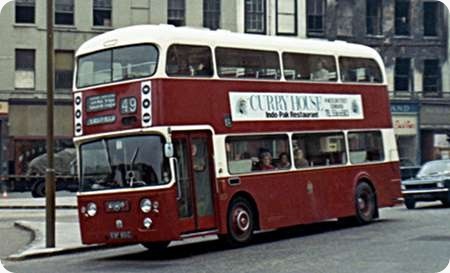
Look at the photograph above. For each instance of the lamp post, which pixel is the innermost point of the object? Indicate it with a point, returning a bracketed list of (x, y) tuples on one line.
[(50, 171)]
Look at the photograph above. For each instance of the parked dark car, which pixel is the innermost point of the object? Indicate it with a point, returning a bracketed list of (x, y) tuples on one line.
[(431, 183), (408, 169)]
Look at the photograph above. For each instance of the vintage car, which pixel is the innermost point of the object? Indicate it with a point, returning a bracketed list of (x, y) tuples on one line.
[(408, 169), (431, 183)]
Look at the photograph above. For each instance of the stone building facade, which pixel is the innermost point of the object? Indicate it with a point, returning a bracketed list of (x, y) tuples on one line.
[(411, 35)]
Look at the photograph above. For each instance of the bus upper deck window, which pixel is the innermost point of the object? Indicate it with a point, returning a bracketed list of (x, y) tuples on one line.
[(189, 61), (246, 63), (307, 67), (359, 70), (117, 64)]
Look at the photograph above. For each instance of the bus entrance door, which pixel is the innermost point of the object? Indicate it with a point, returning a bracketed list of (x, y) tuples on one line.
[(195, 180)]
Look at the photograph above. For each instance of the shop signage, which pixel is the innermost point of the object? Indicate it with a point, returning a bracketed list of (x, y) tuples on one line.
[(404, 108), (254, 106), (405, 125)]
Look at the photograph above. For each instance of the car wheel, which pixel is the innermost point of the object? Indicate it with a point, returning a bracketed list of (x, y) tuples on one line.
[(365, 203), (241, 222), (446, 202), (38, 190), (410, 203)]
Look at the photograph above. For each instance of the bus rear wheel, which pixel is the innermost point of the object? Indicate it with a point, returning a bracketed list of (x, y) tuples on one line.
[(365, 203), (240, 222)]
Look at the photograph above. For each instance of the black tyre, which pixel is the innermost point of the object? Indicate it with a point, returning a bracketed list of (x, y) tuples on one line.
[(241, 222), (156, 246), (410, 203), (38, 190), (446, 202), (365, 204)]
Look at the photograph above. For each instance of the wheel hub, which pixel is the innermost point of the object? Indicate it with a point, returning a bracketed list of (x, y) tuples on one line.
[(242, 220)]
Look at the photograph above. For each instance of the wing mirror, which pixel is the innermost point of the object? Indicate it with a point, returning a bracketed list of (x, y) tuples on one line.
[(168, 150)]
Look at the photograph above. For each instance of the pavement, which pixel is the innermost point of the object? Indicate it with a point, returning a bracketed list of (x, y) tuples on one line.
[(67, 234)]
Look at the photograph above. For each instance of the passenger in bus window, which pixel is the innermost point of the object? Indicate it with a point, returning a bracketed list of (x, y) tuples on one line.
[(299, 159), (198, 162), (284, 161), (203, 70), (321, 73), (265, 162)]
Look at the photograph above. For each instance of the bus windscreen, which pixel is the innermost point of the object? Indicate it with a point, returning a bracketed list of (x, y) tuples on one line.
[(126, 162), (117, 64)]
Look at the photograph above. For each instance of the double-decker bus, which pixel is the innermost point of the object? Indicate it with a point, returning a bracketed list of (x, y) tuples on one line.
[(185, 132)]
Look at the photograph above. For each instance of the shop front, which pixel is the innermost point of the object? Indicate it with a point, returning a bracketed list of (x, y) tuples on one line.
[(434, 130), (405, 120)]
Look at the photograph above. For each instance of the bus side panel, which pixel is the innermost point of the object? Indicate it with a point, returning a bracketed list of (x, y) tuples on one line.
[(307, 196), (193, 102)]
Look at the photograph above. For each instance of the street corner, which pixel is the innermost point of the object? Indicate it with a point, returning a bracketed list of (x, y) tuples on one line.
[(3, 269)]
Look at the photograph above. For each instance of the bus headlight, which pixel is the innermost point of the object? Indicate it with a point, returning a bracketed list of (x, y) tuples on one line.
[(91, 209), (146, 205), (148, 223)]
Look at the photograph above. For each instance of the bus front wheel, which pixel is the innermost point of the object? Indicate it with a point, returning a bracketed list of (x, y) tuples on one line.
[(241, 222), (365, 203), (156, 246)]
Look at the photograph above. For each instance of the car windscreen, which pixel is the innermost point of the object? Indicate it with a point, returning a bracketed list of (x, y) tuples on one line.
[(117, 64), (125, 162), (435, 168)]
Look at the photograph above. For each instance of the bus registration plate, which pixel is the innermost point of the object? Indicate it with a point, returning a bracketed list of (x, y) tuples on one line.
[(120, 235)]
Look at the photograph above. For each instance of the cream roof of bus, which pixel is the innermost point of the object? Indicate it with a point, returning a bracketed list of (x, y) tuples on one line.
[(165, 35)]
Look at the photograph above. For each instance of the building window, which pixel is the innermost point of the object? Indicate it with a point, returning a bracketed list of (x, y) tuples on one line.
[(25, 11), (176, 10), (287, 17), (315, 13), (374, 17), (64, 12), (430, 16), (25, 67), (255, 16), (211, 14), (402, 17), (402, 74), (102, 13), (63, 70), (431, 77)]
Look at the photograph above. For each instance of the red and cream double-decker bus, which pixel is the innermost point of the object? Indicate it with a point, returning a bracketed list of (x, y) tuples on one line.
[(183, 132)]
